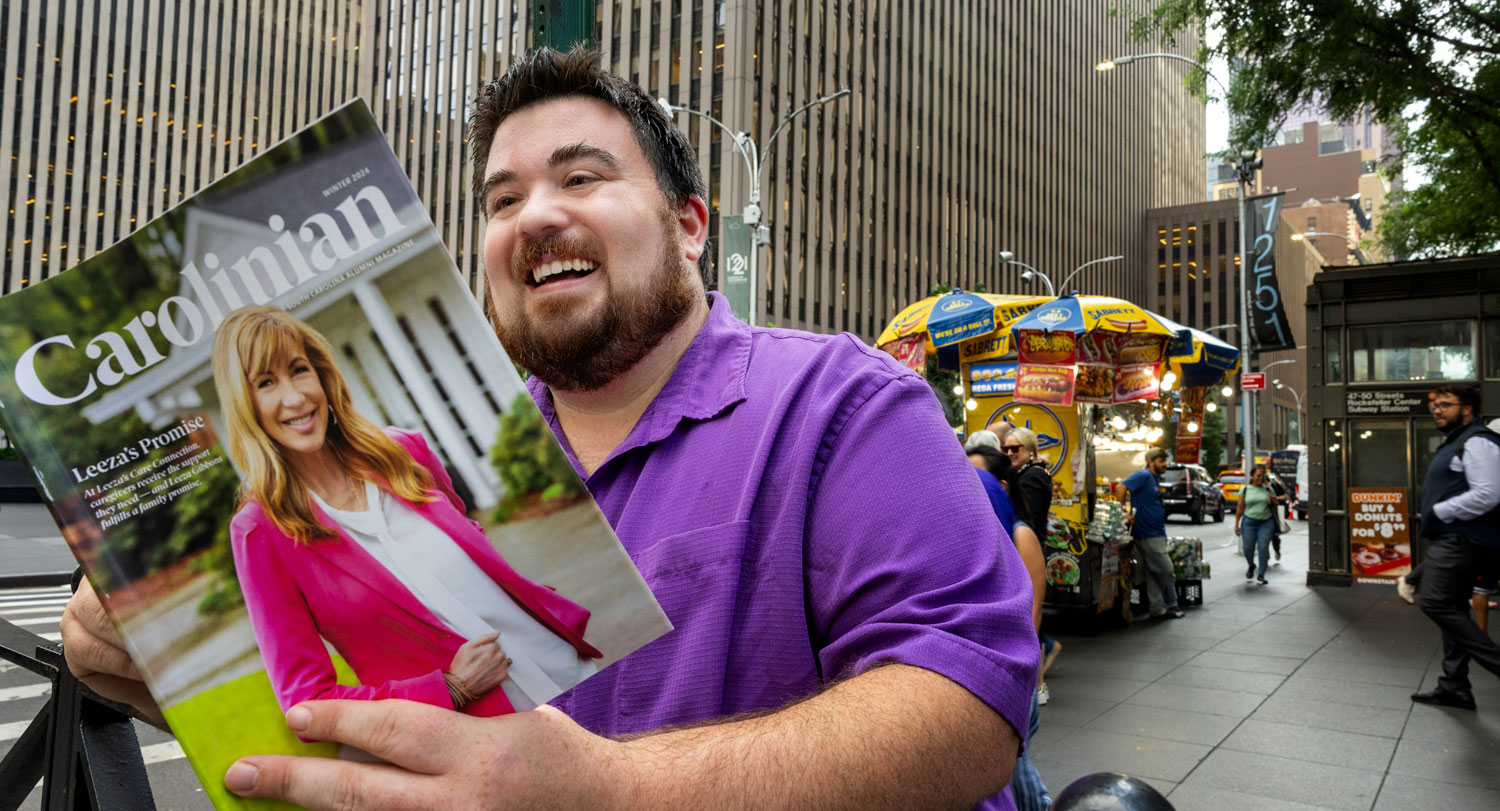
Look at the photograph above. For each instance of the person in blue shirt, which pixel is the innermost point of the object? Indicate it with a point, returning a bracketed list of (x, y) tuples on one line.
[(1002, 486), (1149, 529)]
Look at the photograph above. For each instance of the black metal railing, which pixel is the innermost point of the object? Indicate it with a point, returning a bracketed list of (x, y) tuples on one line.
[(81, 746)]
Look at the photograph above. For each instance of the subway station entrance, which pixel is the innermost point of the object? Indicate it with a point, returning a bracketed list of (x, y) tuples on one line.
[(1380, 338)]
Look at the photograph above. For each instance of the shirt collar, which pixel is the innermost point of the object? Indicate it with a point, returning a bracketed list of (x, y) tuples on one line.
[(708, 381)]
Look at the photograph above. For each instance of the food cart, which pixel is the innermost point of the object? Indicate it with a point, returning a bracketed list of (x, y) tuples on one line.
[(1076, 362)]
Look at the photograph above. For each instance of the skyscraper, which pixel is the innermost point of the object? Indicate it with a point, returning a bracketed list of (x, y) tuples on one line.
[(969, 129)]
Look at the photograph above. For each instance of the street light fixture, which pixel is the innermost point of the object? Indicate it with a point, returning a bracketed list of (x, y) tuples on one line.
[(1244, 167), (1359, 256), (744, 143), (1031, 273)]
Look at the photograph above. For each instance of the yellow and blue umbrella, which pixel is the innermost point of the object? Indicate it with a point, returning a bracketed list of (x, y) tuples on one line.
[(1200, 359), (951, 318), (1081, 314)]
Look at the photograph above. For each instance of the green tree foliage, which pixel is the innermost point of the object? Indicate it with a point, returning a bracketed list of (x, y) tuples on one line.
[(943, 381), (531, 465), (1385, 56)]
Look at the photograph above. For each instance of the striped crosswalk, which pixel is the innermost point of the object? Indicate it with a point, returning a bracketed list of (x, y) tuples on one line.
[(23, 693)]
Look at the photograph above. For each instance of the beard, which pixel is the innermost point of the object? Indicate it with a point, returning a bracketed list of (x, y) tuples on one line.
[(589, 353)]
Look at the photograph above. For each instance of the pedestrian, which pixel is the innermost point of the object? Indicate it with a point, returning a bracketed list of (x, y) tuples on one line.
[(1148, 526), (1000, 483), (1279, 489), (1035, 481), (1035, 486), (982, 439), (830, 647), (1461, 530), (1254, 522)]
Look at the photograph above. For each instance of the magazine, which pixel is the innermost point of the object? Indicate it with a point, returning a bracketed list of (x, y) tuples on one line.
[(282, 440)]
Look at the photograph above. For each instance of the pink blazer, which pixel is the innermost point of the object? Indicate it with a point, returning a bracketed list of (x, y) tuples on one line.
[(334, 589)]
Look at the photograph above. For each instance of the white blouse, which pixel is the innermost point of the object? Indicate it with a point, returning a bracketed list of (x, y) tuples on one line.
[(442, 577)]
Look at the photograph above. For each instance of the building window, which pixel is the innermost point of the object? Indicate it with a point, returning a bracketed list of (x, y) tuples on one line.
[(1312, 223), (1442, 350), (1333, 468), (1492, 348), (1333, 355)]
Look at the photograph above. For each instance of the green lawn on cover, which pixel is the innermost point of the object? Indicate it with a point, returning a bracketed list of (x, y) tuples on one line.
[(219, 726)]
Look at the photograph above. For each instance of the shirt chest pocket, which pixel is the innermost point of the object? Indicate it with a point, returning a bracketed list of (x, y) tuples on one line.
[(696, 577)]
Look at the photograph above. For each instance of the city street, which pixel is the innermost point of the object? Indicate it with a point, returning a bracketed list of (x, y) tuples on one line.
[(1265, 697), (1271, 698)]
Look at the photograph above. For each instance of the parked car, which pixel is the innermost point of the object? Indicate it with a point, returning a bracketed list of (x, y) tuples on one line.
[(1187, 489)]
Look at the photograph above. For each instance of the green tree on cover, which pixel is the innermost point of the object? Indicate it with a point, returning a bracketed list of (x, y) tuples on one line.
[(529, 461), (1384, 56)]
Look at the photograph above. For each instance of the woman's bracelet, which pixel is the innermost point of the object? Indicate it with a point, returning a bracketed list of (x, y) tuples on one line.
[(457, 691)]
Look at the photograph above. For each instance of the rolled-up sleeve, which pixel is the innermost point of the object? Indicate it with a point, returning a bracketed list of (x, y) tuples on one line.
[(1481, 468)]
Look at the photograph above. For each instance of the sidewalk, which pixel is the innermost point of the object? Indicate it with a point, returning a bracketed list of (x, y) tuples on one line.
[(30, 543), (1273, 698)]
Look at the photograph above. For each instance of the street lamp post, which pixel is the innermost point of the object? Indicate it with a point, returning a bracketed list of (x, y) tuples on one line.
[(744, 143), (1010, 259), (1244, 168), (1076, 270), (1359, 256)]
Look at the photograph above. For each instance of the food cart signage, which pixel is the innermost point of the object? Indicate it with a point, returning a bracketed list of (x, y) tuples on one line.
[(984, 348), (1386, 403), (1379, 531), (992, 378)]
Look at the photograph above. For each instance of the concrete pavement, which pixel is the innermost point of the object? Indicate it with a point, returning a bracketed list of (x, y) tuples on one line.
[(1272, 697), (30, 544)]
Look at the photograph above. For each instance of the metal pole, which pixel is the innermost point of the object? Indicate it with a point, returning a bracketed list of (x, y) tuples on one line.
[(1247, 428)]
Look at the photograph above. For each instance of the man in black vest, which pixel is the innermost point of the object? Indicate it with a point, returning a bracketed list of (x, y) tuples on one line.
[(1461, 525)]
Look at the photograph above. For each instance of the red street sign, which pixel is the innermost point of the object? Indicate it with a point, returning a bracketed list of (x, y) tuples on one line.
[(1253, 381)]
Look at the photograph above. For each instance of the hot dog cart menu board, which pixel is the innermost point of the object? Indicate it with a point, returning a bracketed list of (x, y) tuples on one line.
[(1052, 385), (1063, 368), (1379, 531)]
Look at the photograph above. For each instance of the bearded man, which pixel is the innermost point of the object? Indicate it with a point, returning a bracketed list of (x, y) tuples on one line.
[(837, 644)]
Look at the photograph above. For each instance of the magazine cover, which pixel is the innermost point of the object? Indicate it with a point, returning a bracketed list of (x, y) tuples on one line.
[(294, 461)]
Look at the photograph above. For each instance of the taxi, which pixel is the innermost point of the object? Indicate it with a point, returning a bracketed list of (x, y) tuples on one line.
[(1231, 482)]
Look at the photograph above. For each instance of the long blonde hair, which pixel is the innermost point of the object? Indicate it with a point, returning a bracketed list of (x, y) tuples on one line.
[(254, 340)]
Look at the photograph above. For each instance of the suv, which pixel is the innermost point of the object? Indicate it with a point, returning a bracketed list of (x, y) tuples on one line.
[(1188, 489)]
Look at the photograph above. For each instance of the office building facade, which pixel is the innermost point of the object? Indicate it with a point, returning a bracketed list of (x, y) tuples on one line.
[(969, 129)]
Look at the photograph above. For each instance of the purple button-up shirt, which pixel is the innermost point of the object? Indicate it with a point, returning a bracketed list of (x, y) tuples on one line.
[(802, 512)]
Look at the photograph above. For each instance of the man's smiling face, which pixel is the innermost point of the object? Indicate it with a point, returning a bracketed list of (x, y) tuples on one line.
[(589, 265)]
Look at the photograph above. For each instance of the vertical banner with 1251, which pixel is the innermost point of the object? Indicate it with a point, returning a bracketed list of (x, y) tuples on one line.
[(1267, 315)]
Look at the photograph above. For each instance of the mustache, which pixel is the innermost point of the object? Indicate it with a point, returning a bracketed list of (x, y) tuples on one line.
[(529, 252)]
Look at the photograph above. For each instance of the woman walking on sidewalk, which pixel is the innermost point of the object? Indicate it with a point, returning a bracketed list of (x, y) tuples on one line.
[(1254, 522)]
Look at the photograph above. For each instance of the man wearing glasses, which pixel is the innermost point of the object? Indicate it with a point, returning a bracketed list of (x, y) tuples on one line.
[(1461, 527)]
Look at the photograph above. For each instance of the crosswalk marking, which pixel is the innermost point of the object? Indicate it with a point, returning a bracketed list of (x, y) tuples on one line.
[(56, 601), (162, 752), (39, 590), (13, 730), (14, 612), (25, 691), (37, 621)]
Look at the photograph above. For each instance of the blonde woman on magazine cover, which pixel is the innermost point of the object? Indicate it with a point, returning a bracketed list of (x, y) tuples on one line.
[(354, 535)]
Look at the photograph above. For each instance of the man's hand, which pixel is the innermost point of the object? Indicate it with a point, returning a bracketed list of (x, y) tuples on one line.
[(445, 759), (894, 737), (96, 656)]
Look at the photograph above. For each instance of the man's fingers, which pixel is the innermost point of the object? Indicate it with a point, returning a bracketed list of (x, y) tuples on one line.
[(87, 653), (128, 691), (89, 609), (327, 784), (407, 733)]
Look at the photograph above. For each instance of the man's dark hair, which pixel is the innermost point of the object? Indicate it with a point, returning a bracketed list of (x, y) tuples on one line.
[(1465, 394), (546, 74)]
